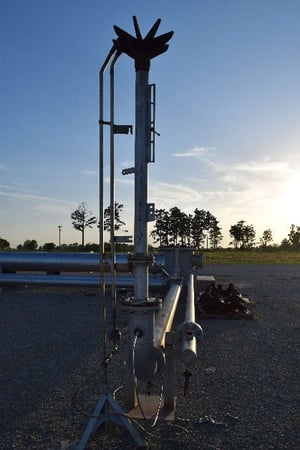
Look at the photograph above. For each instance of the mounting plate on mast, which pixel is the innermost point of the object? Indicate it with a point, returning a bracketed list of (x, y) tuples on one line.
[(153, 132)]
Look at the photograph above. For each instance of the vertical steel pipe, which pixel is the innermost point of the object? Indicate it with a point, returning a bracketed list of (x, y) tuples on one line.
[(142, 138)]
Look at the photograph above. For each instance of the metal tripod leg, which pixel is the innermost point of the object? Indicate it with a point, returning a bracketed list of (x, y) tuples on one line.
[(100, 416)]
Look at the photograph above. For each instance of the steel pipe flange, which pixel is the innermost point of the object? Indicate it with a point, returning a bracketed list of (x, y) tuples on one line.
[(189, 330)]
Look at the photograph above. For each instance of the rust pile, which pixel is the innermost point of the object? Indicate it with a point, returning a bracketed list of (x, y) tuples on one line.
[(217, 302)]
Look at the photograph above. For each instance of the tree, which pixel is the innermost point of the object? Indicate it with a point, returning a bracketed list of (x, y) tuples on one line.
[(184, 230), (249, 236), (215, 235), (4, 244), (243, 235), (203, 224), (176, 225), (198, 226), (285, 245), (30, 245), (178, 228), (74, 247), (107, 219), (266, 238), (82, 219), (160, 232), (49, 246), (294, 236)]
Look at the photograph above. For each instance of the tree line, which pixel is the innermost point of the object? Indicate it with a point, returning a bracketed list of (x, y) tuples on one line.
[(172, 227)]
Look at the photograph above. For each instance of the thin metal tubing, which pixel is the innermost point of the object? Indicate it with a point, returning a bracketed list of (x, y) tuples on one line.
[(112, 188), (101, 203)]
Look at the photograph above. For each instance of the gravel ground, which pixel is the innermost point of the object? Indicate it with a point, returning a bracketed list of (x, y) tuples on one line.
[(246, 376)]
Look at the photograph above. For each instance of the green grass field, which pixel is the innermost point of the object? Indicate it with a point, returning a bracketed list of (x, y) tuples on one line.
[(254, 256)]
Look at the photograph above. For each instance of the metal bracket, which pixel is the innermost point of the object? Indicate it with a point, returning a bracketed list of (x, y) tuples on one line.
[(135, 258), (128, 171), (122, 129), (118, 129), (152, 105), (150, 212), (123, 238)]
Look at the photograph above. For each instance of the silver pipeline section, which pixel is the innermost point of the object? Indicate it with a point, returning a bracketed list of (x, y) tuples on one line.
[(190, 330), (73, 280), (66, 262), (165, 316)]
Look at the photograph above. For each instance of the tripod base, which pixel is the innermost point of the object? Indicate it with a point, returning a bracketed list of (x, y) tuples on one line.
[(106, 410)]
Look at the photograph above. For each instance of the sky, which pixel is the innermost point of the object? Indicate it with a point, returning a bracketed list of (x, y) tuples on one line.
[(227, 111)]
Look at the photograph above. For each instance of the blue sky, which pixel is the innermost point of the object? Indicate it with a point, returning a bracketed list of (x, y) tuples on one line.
[(228, 112)]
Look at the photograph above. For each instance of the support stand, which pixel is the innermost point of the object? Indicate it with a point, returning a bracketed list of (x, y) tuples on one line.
[(107, 409)]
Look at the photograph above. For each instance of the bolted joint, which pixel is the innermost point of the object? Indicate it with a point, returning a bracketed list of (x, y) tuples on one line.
[(188, 330), (140, 258), (147, 306)]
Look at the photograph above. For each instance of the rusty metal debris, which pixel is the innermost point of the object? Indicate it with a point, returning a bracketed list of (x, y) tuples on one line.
[(217, 302)]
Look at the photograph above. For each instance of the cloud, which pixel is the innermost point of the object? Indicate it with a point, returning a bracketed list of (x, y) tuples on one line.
[(26, 196), (38, 202), (275, 167), (167, 195), (260, 191), (88, 172), (195, 152), (125, 180), (126, 164), (15, 188), (4, 167), (56, 208)]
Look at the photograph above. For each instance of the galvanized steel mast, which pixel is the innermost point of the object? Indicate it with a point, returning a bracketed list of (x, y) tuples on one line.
[(142, 50)]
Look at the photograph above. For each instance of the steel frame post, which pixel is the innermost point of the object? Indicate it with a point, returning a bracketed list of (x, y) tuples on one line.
[(101, 205), (142, 140), (112, 189)]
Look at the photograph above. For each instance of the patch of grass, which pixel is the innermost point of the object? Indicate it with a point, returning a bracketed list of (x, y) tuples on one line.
[(254, 256)]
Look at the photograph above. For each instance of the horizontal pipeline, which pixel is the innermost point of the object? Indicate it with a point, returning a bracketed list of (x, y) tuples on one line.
[(73, 280), (64, 262)]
